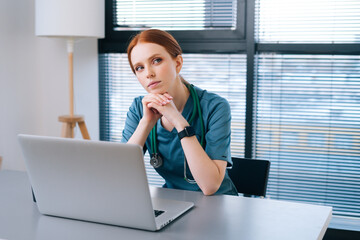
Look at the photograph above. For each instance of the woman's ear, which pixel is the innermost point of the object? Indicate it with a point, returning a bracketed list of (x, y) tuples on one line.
[(179, 63)]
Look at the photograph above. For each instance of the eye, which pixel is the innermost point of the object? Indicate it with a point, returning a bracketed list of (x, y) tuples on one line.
[(157, 60), (138, 68)]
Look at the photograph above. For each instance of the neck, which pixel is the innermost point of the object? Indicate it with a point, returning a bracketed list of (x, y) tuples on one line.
[(180, 96)]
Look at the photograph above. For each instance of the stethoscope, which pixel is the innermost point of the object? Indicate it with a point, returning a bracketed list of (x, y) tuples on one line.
[(156, 161)]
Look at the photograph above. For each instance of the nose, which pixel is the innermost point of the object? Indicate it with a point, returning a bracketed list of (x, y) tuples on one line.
[(150, 72)]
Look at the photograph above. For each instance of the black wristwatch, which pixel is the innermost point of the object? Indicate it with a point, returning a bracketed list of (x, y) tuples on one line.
[(187, 132)]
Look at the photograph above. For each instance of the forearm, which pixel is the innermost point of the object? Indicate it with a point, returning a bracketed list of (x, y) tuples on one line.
[(141, 133), (208, 173)]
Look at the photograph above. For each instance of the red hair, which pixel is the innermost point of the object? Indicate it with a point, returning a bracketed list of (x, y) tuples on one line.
[(156, 36)]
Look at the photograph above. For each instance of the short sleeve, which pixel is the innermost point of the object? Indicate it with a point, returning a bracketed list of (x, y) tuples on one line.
[(218, 133), (132, 119)]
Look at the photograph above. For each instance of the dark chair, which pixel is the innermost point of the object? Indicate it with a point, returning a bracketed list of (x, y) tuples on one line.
[(250, 176)]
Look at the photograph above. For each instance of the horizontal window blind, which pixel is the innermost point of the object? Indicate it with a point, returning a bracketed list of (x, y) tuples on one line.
[(308, 125), (308, 21), (175, 14), (223, 74)]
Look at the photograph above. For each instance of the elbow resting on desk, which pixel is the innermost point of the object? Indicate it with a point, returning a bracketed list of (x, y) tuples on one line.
[(209, 192), (211, 181), (211, 189)]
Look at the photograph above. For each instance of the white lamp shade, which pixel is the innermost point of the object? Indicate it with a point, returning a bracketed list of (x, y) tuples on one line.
[(70, 18)]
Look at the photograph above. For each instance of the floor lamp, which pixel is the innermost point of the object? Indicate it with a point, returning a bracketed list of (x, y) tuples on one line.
[(70, 20)]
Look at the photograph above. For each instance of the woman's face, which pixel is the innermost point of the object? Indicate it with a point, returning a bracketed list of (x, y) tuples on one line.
[(154, 67)]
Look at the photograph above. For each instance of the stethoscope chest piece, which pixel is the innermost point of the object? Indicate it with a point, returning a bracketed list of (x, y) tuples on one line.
[(156, 160)]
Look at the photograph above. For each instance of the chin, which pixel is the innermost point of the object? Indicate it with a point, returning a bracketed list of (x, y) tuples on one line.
[(157, 91)]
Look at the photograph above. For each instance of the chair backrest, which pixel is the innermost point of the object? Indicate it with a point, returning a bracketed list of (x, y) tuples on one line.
[(250, 176)]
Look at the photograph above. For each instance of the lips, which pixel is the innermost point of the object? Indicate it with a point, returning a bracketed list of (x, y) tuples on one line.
[(153, 84)]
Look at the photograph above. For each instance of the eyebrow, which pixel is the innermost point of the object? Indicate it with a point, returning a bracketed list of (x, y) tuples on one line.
[(152, 56)]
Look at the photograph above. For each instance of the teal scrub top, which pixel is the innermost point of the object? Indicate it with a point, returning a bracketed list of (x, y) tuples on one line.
[(217, 121)]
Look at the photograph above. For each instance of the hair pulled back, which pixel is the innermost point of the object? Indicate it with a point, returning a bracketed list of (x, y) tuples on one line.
[(156, 36)]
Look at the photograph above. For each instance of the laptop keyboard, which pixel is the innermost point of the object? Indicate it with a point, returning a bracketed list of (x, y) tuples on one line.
[(158, 212)]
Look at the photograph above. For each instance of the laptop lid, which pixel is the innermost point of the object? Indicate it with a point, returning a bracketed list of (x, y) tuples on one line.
[(95, 181)]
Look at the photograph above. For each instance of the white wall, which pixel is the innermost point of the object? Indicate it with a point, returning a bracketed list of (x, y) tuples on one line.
[(34, 81)]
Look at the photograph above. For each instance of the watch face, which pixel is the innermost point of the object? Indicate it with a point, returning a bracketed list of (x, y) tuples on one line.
[(187, 132), (190, 131)]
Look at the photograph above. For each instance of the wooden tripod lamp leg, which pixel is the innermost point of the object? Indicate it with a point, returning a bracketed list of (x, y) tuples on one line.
[(84, 130), (67, 130)]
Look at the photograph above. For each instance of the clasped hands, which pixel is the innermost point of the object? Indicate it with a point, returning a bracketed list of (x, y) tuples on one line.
[(157, 105)]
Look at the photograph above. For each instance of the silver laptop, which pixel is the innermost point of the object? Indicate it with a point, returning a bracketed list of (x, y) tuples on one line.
[(95, 181)]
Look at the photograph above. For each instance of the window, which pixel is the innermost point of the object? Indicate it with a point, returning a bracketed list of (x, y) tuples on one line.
[(308, 21), (308, 101), (310, 104), (175, 15), (198, 25)]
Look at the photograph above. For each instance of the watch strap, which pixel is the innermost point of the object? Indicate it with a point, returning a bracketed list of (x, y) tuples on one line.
[(187, 132)]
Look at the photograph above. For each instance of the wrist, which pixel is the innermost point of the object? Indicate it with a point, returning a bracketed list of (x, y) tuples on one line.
[(146, 124), (181, 125)]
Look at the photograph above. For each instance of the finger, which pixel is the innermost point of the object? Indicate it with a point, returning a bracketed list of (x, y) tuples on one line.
[(168, 96), (152, 108), (152, 105), (164, 100), (160, 99), (156, 98)]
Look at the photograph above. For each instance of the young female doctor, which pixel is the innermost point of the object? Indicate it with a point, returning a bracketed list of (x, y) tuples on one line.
[(185, 129)]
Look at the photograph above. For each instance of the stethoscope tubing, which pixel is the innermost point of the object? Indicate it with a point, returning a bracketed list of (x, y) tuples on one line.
[(196, 109)]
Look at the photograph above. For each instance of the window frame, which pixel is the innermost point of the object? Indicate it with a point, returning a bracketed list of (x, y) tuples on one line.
[(191, 41)]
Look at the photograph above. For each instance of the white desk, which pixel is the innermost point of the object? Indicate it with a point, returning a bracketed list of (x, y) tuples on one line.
[(213, 217)]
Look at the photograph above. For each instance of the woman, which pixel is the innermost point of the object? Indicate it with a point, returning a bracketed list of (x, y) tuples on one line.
[(174, 116)]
